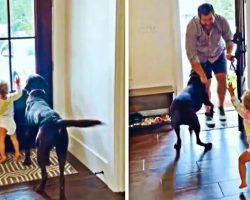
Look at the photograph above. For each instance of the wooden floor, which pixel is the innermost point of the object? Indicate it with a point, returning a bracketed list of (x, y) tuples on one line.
[(155, 175), (81, 186)]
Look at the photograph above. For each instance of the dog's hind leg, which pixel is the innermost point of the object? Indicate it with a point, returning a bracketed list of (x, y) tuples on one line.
[(44, 141), (42, 157), (62, 160), (61, 151), (195, 124), (40, 188), (176, 119), (177, 146)]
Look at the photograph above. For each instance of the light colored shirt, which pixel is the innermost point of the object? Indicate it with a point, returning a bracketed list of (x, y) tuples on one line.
[(6, 105), (243, 112), (201, 47)]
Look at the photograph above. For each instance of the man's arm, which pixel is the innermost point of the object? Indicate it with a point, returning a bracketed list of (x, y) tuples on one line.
[(196, 66), (191, 50), (227, 36)]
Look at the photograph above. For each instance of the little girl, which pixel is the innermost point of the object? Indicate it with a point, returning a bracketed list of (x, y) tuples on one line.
[(7, 123), (244, 111)]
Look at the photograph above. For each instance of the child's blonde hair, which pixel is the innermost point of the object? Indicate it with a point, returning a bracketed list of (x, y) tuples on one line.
[(3, 87), (246, 99)]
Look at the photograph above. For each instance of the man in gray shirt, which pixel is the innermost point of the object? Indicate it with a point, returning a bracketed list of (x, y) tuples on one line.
[(207, 37)]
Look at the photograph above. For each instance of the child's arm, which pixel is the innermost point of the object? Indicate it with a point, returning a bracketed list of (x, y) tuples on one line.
[(18, 92), (236, 103)]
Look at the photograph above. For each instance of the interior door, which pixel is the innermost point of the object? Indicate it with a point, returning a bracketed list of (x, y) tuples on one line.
[(239, 39)]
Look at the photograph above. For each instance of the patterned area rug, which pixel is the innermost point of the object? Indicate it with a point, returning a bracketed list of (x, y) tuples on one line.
[(232, 120), (14, 172)]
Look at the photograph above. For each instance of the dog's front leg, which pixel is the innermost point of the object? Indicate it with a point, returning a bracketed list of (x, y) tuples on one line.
[(207, 146), (195, 125), (27, 160)]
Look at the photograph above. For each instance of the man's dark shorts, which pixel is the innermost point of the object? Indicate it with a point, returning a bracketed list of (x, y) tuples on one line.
[(219, 66)]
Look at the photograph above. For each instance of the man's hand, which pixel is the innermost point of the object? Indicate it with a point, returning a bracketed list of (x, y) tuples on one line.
[(204, 79), (229, 57), (196, 66)]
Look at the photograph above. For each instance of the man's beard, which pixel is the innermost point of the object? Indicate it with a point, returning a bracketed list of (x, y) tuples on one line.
[(207, 27)]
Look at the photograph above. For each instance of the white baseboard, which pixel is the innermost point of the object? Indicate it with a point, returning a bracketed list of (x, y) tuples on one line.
[(91, 159)]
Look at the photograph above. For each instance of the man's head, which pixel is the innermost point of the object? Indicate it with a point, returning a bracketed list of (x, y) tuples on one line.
[(206, 15)]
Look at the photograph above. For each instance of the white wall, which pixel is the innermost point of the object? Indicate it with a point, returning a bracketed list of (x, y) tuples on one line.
[(59, 55), (86, 54), (154, 46)]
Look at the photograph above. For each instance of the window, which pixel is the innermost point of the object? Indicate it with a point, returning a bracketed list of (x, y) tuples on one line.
[(17, 39), (25, 48), (26, 40)]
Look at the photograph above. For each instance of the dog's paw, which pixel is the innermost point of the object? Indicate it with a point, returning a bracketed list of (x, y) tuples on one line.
[(208, 146), (27, 162), (242, 196)]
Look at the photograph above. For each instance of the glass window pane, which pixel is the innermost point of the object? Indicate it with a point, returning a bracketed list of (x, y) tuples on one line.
[(23, 58), (3, 20), (22, 18), (4, 61)]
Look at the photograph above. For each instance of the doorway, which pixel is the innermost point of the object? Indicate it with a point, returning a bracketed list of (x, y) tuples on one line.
[(188, 9)]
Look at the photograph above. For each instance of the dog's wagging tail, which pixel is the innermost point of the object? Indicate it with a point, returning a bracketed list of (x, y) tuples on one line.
[(77, 123)]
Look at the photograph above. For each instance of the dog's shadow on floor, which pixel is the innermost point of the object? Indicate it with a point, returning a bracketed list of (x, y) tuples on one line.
[(170, 175)]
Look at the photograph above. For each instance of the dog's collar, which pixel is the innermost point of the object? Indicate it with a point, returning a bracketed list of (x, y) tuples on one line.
[(30, 93)]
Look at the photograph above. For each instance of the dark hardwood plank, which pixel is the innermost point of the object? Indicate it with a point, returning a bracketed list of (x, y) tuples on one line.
[(156, 174), (84, 185)]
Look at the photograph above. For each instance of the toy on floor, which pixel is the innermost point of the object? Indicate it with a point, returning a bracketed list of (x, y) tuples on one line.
[(147, 121)]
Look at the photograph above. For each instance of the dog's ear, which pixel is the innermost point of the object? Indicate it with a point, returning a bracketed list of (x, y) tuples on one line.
[(28, 84), (193, 77)]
